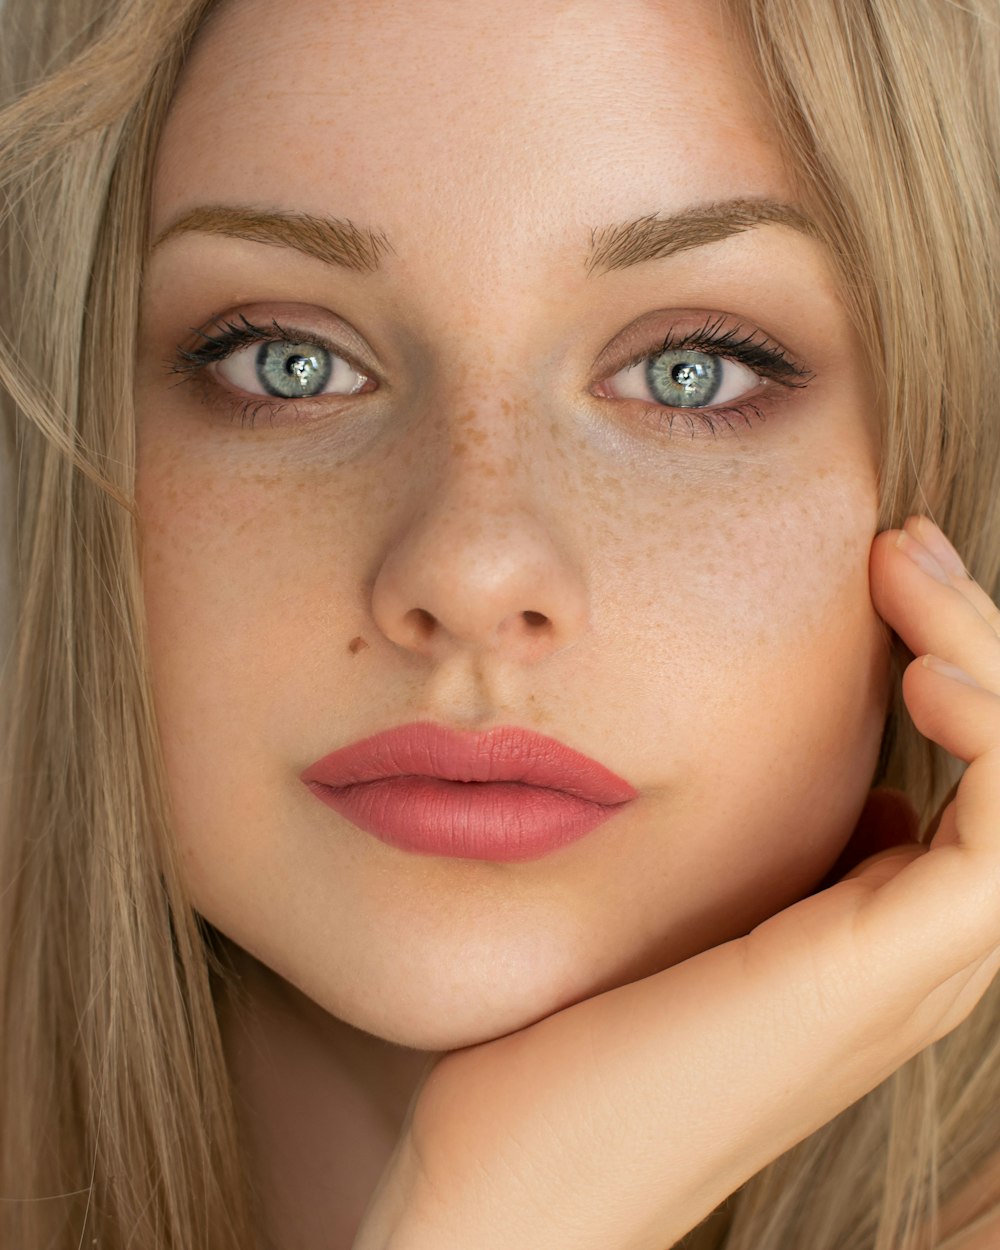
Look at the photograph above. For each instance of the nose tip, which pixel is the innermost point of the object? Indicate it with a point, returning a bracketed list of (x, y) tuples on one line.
[(452, 586)]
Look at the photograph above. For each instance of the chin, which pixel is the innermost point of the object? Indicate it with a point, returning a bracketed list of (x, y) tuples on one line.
[(457, 1015), (441, 1033)]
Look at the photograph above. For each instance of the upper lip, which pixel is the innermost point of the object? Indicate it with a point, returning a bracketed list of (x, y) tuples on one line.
[(504, 753)]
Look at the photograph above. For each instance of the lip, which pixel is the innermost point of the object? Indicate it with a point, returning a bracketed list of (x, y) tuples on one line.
[(504, 795)]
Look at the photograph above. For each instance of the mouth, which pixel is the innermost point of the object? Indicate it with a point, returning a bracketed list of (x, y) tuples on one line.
[(505, 795)]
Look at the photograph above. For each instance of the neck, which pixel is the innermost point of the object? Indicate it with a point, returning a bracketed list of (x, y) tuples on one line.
[(320, 1105)]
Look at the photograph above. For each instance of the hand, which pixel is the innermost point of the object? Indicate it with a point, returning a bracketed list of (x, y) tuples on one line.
[(620, 1122)]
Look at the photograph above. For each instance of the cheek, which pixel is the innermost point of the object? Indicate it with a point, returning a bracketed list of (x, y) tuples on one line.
[(759, 680), (217, 550), (748, 672), (227, 549), (756, 577), (749, 611)]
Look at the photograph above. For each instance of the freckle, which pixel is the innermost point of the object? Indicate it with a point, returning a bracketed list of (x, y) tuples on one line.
[(605, 482), (356, 644)]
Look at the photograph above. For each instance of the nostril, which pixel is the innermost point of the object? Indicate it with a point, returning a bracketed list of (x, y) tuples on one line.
[(423, 621), (535, 618)]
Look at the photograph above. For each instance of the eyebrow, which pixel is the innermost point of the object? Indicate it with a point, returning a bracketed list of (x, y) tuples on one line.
[(659, 235), (336, 241), (329, 239)]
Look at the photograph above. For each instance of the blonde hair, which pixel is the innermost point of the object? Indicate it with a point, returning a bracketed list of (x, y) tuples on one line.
[(117, 1125)]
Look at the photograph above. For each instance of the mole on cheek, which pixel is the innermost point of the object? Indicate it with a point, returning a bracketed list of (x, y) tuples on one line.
[(356, 645)]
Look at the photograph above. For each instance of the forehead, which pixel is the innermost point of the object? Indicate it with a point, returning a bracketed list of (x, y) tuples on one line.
[(467, 127)]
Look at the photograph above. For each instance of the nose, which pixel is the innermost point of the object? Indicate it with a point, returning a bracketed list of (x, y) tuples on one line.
[(483, 557)]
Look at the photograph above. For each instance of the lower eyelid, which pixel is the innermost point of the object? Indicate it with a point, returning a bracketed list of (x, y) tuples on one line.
[(700, 423)]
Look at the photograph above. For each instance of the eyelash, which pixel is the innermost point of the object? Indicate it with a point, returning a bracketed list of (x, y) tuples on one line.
[(754, 350)]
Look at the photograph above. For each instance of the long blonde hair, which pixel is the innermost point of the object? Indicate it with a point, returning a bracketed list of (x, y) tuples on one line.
[(117, 1126)]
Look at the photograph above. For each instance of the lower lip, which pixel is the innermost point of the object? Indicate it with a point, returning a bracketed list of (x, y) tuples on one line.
[(504, 821)]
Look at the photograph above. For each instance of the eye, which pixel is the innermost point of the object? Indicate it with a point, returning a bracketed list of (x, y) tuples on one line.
[(683, 378), (289, 370)]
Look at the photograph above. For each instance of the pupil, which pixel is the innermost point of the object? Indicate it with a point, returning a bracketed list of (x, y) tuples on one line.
[(687, 375)]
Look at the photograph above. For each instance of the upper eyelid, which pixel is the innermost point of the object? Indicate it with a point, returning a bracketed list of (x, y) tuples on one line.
[(773, 356), (342, 339), (198, 361)]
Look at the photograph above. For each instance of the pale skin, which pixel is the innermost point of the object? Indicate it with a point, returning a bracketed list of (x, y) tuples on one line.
[(707, 616)]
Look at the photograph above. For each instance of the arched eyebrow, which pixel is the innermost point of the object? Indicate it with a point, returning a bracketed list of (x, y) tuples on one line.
[(329, 239), (660, 235), (337, 241)]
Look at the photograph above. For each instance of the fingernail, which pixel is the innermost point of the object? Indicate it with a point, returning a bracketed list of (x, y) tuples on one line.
[(921, 556), (939, 546), (948, 670)]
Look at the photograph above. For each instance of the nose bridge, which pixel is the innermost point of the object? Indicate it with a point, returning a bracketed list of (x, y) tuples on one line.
[(486, 363), (486, 432), (488, 438), (489, 484)]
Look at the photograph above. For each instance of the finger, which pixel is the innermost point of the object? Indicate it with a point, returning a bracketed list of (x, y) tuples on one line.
[(926, 610), (900, 834), (930, 536), (935, 820), (884, 865), (952, 884), (944, 704), (964, 719)]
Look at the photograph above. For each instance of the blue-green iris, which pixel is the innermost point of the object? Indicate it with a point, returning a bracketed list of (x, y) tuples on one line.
[(293, 370), (684, 379)]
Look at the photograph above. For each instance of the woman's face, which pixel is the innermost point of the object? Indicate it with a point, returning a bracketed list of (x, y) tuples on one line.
[(498, 527)]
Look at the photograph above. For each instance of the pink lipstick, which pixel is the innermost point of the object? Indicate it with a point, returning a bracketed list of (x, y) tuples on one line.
[(505, 795)]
